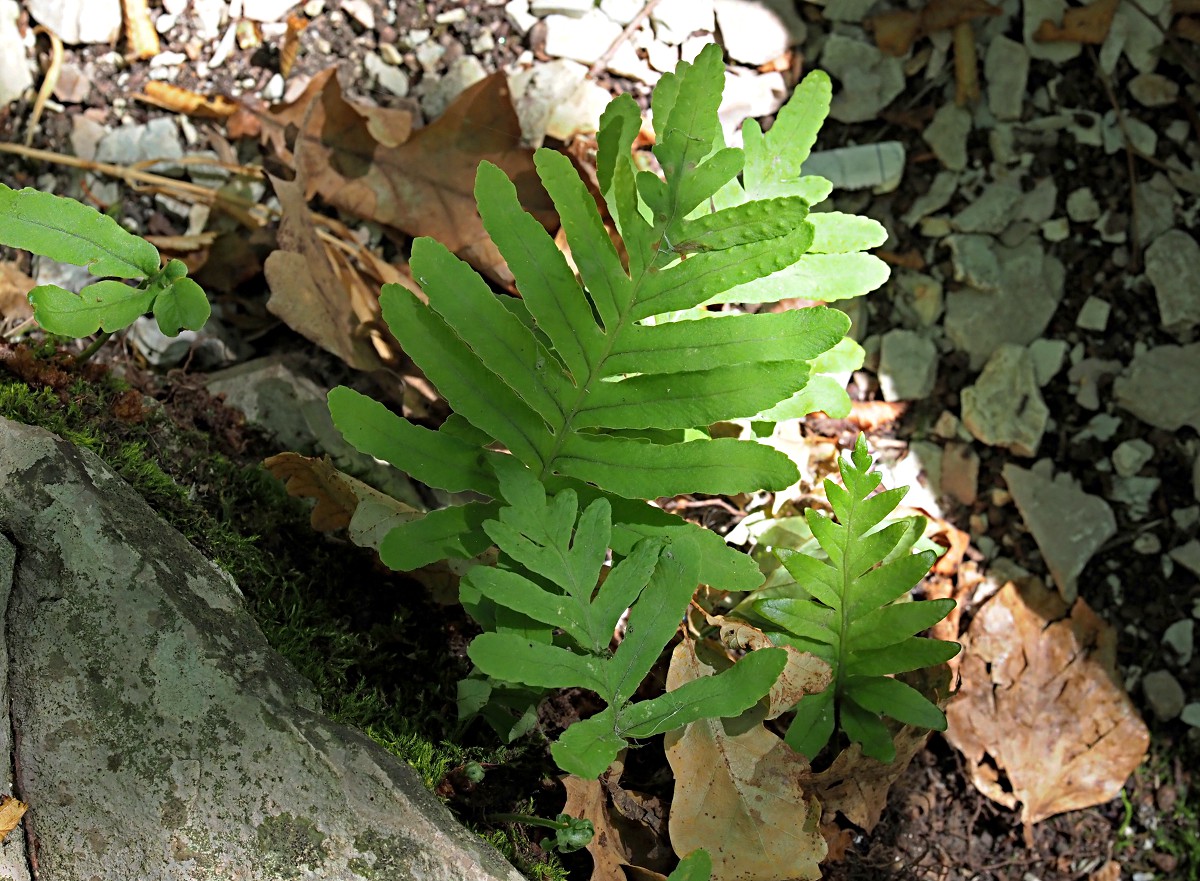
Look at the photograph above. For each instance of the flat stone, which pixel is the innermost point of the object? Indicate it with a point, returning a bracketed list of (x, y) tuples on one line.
[(622, 11), (1037, 11), (920, 297), (1138, 34), (518, 15), (1101, 427), (149, 702), (1153, 90), (1164, 694), (754, 32), (1130, 456), (1082, 206), (1135, 493), (573, 8), (1191, 714), (1068, 524), (1155, 203), (157, 139), (1047, 358), (1013, 294), (991, 212), (438, 94), (937, 197), (1004, 408), (907, 366), (1006, 69), (1173, 267), (582, 39), (1153, 388), (869, 80), (662, 57), (960, 473), (15, 75), (1116, 133), (1188, 556), (947, 134), (393, 79), (556, 99), (676, 20), (361, 11), (1093, 315), (79, 21), (748, 94), (1180, 638), (1086, 376)]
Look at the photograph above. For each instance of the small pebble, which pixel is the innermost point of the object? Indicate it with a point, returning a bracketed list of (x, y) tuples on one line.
[(1179, 638), (1147, 543), (452, 16), (1093, 315)]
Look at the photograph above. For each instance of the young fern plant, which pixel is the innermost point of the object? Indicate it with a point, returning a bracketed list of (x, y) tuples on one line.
[(590, 382), (852, 610), (71, 232), (551, 559)]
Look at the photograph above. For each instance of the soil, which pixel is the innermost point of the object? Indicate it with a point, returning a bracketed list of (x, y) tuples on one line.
[(937, 825)]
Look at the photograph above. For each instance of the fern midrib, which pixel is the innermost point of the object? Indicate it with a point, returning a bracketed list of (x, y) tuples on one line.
[(844, 612)]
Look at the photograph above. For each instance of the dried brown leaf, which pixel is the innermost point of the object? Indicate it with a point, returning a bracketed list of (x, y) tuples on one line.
[(630, 827), (1081, 24), (180, 100), (15, 286), (896, 31), (1041, 705), (11, 812), (140, 36), (740, 797)]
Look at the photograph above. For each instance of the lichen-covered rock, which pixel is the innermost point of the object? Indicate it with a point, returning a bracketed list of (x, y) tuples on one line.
[(1004, 408), (160, 736)]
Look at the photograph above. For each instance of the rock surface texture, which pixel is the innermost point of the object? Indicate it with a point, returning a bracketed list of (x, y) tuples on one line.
[(156, 735)]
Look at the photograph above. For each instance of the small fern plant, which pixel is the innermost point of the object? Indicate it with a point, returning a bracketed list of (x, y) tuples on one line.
[(68, 231), (852, 609), (606, 382), (551, 559)]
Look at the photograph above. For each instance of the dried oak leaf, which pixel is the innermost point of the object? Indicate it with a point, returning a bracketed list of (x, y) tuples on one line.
[(1081, 24), (306, 291), (740, 797), (15, 286), (11, 812), (1040, 703), (363, 161), (630, 827), (180, 100)]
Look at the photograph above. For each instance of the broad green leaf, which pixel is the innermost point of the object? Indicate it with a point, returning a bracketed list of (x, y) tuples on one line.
[(815, 576), (838, 233), (867, 729), (820, 394), (910, 654), (696, 866), (636, 469), (71, 232), (587, 748), (813, 725), (685, 135), (107, 305), (626, 580), (728, 693), (619, 126), (522, 595), (183, 305), (825, 277), (462, 378), (546, 282), (515, 659), (794, 335), (774, 161), (891, 624), (455, 532), (896, 700), (800, 618), (651, 624), (436, 458), (687, 399), (889, 582), (465, 302), (741, 225)]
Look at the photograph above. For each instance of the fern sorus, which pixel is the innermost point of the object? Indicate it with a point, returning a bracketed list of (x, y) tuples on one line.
[(605, 382), (551, 559), (852, 609)]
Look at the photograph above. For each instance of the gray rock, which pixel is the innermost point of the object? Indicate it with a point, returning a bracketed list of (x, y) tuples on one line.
[(1037, 206), (748, 94), (161, 737), (1082, 206), (295, 411), (1156, 201), (556, 99), (1093, 315), (1172, 264), (621, 11), (676, 20), (1047, 358), (157, 139), (393, 79), (1191, 714), (907, 366), (937, 197), (1085, 378), (1135, 493), (1013, 295), (518, 15), (1180, 638), (1153, 90), (919, 297), (1151, 387), (441, 92), (1188, 556), (947, 134), (1004, 408), (991, 212), (1006, 68), (1164, 694), (582, 39), (870, 80), (573, 8), (79, 21), (1129, 456), (15, 75), (757, 31), (1068, 524)]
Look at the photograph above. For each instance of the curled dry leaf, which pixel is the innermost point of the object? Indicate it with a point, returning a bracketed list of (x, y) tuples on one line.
[(180, 100), (11, 812), (306, 291), (897, 30), (141, 39), (740, 797), (364, 161), (342, 501), (15, 286), (1081, 24), (1041, 705)]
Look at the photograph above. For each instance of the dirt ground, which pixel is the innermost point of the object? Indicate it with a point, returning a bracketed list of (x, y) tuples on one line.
[(937, 826)]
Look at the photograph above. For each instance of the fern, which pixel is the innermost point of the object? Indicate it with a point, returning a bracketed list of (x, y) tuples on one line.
[(551, 563), (588, 381), (850, 611)]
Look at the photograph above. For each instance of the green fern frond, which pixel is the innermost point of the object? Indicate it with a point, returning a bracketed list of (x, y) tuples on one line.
[(851, 610), (552, 559)]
